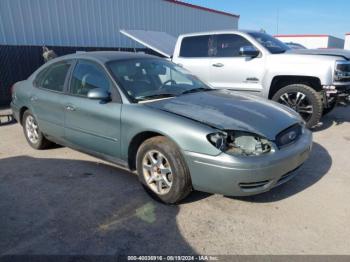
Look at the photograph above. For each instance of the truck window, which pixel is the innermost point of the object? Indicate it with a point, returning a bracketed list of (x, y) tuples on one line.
[(228, 45), (195, 46)]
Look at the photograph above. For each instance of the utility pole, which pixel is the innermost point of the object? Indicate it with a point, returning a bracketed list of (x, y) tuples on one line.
[(278, 20)]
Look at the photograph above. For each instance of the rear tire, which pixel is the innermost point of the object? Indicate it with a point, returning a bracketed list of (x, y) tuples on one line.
[(303, 99), (34, 136), (162, 170)]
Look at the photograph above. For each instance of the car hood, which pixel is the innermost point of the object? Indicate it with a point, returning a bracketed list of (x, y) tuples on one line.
[(329, 52), (228, 110)]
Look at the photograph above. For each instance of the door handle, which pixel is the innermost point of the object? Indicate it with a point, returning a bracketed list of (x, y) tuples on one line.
[(70, 108), (218, 65)]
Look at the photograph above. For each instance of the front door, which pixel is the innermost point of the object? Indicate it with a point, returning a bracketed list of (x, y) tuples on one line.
[(228, 69), (92, 125)]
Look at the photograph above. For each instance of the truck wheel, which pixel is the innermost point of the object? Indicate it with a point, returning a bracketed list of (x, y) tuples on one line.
[(303, 99), (162, 170), (34, 136)]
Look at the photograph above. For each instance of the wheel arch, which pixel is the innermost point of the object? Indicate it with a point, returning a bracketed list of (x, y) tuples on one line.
[(137, 141), (279, 82), (21, 113)]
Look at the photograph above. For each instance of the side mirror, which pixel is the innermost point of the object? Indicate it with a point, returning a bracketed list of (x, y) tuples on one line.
[(99, 94), (249, 51)]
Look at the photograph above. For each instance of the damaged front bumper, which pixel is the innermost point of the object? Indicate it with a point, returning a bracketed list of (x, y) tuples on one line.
[(241, 176)]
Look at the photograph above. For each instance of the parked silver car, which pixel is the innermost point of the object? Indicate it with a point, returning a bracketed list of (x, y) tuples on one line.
[(148, 115)]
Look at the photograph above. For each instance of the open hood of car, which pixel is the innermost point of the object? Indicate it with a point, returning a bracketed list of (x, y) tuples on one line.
[(160, 42), (227, 110), (330, 52)]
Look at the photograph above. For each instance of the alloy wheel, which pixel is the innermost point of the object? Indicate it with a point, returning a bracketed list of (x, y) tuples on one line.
[(32, 129), (157, 172), (299, 102)]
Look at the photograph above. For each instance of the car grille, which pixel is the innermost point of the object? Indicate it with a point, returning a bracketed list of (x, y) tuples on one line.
[(289, 135)]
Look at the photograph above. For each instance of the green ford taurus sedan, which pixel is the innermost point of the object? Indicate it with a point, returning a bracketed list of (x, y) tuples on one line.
[(151, 116)]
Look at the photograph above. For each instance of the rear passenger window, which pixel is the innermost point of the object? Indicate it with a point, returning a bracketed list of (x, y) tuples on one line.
[(39, 77), (53, 77), (228, 45), (195, 46), (87, 76)]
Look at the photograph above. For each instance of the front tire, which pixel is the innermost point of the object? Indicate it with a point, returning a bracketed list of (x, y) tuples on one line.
[(303, 99), (162, 170), (34, 136)]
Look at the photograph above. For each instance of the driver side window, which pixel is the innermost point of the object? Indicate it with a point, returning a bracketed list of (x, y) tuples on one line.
[(87, 76), (229, 45)]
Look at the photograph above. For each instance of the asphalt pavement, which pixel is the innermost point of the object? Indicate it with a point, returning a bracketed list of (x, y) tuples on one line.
[(60, 201)]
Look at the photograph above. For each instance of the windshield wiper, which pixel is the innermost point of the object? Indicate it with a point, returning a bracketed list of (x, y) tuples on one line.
[(150, 97), (165, 95), (195, 90)]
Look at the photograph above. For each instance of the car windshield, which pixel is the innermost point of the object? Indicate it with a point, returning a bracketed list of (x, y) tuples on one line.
[(272, 44), (147, 78)]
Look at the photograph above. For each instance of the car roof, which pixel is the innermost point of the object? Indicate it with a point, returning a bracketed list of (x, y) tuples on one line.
[(105, 56)]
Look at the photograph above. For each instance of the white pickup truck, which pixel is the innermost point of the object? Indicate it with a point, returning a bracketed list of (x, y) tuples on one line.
[(311, 82)]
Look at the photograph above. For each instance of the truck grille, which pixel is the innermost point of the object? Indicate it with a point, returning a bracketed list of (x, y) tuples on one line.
[(342, 72)]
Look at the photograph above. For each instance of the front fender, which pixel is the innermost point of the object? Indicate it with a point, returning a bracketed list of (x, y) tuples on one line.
[(188, 134), (299, 66)]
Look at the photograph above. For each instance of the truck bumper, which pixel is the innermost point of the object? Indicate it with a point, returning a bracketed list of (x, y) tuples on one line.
[(241, 176), (340, 94)]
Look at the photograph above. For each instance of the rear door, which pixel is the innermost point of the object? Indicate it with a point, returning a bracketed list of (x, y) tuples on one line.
[(92, 125), (48, 98), (194, 55), (230, 70)]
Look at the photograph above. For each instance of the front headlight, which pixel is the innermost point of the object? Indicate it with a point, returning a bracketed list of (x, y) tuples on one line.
[(240, 143), (342, 71)]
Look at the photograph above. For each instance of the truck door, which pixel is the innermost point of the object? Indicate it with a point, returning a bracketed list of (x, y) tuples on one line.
[(230, 70), (194, 55)]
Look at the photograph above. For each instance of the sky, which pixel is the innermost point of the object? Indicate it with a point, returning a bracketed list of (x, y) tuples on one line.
[(287, 16)]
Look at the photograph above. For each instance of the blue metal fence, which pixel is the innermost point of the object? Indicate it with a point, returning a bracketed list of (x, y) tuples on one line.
[(19, 62), (97, 22)]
